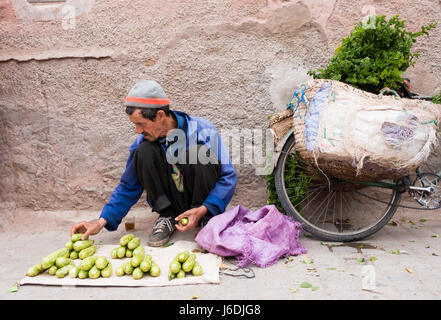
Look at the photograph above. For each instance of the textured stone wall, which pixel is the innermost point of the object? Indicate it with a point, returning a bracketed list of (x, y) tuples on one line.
[(65, 71)]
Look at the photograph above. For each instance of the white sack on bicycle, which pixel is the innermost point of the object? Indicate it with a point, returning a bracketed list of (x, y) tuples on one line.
[(370, 132)]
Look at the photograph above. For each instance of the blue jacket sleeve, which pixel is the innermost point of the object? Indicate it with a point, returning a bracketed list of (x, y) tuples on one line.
[(126, 194)]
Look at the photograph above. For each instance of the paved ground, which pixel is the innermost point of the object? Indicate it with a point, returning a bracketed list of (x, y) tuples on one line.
[(402, 262)]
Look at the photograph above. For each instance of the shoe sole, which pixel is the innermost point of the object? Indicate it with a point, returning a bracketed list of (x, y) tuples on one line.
[(158, 243)]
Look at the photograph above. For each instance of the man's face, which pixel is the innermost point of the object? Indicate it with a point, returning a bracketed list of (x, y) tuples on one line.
[(151, 130)]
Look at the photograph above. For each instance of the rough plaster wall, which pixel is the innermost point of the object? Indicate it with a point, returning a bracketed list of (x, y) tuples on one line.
[(64, 133)]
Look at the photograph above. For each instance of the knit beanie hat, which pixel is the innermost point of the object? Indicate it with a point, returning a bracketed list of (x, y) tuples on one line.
[(147, 94)]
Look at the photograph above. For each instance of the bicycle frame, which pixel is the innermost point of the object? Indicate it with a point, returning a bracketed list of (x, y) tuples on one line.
[(392, 185), (387, 185)]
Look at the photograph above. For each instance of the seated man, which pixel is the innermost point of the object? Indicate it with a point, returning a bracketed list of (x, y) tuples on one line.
[(178, 159)]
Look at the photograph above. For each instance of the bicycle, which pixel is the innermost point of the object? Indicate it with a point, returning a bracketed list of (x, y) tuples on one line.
[(338, 210)]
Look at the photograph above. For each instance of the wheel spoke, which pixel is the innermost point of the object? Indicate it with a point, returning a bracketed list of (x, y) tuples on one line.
[(326, 209), (312, 192), (320, 205), (341, 210)]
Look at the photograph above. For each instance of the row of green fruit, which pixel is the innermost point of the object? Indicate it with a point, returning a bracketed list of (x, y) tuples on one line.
[(92, 267), (62, 258), (80, 248), (139, 264), (182, 263), (130, 246)]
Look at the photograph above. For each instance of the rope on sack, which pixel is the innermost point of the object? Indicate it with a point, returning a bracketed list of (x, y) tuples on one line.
[(296, 99), (331, 95), (388, 90), (433, 121)]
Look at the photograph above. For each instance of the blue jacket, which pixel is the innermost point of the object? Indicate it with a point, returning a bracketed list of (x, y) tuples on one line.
[(198, 131)]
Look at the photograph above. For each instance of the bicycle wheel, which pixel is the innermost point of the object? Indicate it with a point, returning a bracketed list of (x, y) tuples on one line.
[(328, 208)]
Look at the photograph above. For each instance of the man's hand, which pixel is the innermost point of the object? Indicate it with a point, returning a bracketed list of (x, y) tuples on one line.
[(88, 228), (193, 216)]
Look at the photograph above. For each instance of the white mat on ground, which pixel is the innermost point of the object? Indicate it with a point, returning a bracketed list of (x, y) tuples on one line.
[(162, 256)]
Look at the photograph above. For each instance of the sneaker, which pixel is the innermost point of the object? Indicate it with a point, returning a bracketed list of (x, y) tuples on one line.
[(162, 231)]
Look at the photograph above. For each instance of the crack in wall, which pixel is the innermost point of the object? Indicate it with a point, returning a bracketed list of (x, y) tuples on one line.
[(61, 53)]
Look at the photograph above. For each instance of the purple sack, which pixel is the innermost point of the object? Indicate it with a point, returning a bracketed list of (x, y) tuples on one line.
[(255, 237)]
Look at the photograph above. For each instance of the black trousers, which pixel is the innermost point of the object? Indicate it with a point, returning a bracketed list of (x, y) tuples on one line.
[(155, 175)]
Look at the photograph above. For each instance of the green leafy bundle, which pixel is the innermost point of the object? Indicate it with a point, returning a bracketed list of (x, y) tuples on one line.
[(297, 181), (437, 98), (375, 55), (273, 198)]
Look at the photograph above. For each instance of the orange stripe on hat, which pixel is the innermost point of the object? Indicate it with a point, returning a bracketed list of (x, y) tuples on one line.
[(148, 100)]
